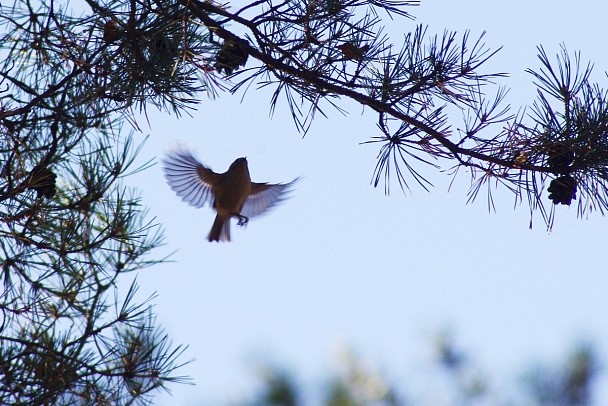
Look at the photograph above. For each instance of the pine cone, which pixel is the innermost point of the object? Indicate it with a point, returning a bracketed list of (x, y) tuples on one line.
[(111, 32), (560, 157), (333, 7), (163, 45), (562, 190), (43, 181), (230, 57), (351, 51)]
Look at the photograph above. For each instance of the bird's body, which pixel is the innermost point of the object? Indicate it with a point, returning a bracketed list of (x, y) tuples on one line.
[(231, 194)]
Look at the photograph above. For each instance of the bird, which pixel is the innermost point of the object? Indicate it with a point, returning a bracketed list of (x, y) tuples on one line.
[(231, 194)]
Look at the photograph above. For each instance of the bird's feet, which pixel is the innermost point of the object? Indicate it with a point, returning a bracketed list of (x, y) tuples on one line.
[(242, 220)]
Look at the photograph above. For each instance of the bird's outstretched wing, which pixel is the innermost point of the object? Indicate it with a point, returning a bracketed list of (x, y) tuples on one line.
[(189, 178), (264, 196)]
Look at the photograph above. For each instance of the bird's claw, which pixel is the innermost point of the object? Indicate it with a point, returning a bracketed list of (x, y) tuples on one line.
[(242, 220)]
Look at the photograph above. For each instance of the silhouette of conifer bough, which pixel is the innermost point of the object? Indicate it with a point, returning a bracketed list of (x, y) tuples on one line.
[(317, 53), (68, 84), (69, 230)]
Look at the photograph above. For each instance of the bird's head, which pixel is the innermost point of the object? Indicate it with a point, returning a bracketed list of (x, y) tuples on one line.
[(238, 162)]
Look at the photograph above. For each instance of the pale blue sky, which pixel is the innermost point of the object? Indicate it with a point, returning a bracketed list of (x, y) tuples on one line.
[(341, 263)]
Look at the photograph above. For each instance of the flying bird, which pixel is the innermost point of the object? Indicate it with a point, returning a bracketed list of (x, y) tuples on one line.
[(231, 194)]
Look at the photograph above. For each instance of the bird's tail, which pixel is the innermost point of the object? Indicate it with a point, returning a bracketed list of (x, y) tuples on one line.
[(220, 231)]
